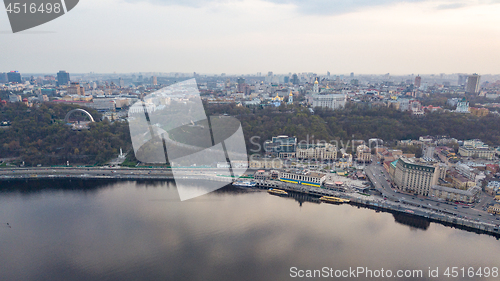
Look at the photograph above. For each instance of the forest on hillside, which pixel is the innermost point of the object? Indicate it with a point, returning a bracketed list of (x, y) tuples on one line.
[(38, 136)]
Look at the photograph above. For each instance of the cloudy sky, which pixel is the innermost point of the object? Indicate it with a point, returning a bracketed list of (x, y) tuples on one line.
[(250, 36)]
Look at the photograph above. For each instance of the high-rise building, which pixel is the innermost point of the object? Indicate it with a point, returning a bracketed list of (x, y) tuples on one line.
[(351, 75), (154, 80), (472, 84), (121, 83), (418, 80), (3, 77), (241, 84), (295, 79), (269, 77), (462, 78), (14, 77), (62, 78)]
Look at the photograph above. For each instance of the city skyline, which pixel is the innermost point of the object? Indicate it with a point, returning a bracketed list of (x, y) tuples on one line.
[(256, 36)]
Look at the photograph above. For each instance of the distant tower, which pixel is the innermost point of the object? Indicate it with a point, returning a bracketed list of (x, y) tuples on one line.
[(290, 98), (241, 84), (316, 87), (472, 84), (121, 82), (418, 80), (351, 75), (62, 78), (461, 79), (154, 81)]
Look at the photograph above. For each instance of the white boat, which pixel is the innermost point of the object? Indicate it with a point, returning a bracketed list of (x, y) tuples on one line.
[(245, 183)]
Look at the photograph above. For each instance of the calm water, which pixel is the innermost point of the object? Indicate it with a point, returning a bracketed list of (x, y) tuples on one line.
[(88, 230)]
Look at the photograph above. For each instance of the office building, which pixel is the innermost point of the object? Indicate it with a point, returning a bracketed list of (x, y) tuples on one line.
[(76, 89), (62, 78), (333, 101), (14, 77), (472, 84), (241, 84), (453, 194), (418, 80), (317, 151), (462, 79), (281, 146), (3, 77), (479, 152), (415, 177)]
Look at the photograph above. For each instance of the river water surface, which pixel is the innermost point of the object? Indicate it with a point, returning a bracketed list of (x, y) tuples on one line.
[(94, 230)]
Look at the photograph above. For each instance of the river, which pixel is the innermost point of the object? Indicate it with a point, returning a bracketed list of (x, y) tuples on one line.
[(128, 230)]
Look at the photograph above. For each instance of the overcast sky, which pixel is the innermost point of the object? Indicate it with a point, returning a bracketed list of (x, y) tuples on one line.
[(250, 36)]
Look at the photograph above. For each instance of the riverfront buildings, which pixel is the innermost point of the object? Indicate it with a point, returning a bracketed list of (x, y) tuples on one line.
[(281, 146), (415, 177), (453, 194), (303, 177), (318, 151)]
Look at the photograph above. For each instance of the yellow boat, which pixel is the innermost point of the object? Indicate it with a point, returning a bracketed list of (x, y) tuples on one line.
[(331, 199), (276, 191)]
